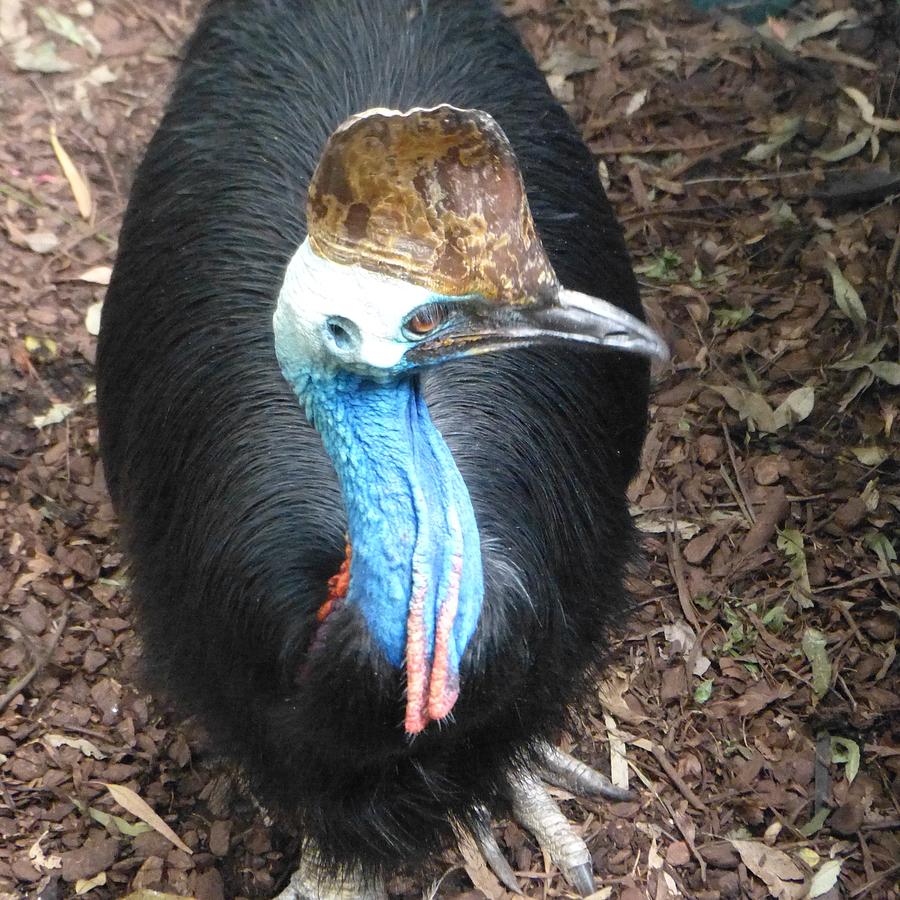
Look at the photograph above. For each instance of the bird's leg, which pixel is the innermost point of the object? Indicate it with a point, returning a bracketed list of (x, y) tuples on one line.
[(312, 881), (564, 771), (535, 810)]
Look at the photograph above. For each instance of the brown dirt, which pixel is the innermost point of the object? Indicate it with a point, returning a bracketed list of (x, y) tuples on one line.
[(760, 670)]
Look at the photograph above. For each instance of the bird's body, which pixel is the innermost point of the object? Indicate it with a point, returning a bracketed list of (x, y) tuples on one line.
[(232, 510)]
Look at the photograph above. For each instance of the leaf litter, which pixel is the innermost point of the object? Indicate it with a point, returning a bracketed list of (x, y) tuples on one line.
[(752, 700)]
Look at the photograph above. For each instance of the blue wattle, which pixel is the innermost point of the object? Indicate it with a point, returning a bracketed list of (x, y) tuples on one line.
[(404, 495)]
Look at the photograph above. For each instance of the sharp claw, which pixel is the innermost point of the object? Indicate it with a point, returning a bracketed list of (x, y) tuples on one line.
[(312, 882), (582, 878), (533, 807), (569, 773), (493, 855)]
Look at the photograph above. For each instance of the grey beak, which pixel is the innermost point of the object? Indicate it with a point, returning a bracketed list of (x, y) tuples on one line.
[(480, 327)]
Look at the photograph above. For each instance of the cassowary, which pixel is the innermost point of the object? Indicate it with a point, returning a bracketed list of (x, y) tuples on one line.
[(368, 425)]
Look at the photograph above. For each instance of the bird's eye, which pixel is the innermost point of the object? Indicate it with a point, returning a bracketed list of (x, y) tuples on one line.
[(426, 319)]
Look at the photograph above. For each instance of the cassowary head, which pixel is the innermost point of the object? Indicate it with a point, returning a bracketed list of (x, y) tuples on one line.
[(420, 249)]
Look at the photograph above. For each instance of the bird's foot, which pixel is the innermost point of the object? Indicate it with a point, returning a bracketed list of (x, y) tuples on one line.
[(312, 881), (535, 810)]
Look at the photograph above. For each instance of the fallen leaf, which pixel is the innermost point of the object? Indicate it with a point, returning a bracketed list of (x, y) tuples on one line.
[(92, 318), (97, 275), (758, 696), (635, 102), (61, 24), (36, 241), (845, 751), (790, 542), (886, 371), (57, 413), (860, 358), (13, 26), (478, 871), (80, 188), (81, 744), (870, 456), (753, 408), (42, 58), (795, 408), (845, 295), (38, 860), (851, 148), (83, 885), (784, 130), (41, 241), (565, 61), (825, 879), (130, 801), (867, 110), (145, 894), (109, 821), (802, 31), (815, 823), (618, 758), (775, 869), (815, 650)]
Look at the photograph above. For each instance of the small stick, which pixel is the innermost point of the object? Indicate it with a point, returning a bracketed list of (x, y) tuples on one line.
[(737, 475), (18, 686), (660, 756)]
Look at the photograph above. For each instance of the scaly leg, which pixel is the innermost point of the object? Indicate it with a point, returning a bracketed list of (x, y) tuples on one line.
[(535, 809), (312, 882)]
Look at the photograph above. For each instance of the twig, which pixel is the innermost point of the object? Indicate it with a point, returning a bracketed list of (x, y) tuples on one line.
[(860, 579), (737, 475), (892, 259), (887, 873), (684, 595), (660, 755), (17, 687)]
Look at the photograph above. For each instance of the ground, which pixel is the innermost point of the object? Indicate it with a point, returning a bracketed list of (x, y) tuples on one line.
[(753, 699)]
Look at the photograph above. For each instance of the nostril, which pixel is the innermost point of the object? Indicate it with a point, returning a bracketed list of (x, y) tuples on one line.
[(342, 333)]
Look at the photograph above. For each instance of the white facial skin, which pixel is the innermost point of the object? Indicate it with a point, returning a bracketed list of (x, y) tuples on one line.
[(345, 316)]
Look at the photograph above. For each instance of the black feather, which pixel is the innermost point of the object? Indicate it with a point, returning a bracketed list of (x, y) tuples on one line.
[(230, 509)]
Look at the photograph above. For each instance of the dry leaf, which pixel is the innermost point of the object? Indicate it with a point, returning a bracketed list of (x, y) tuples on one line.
[(635, 102), (38, 860), (145, 894), (825, 879), (61, 24), (867, 111), (80, 188), (41, 241), (565, 62), (97, 275), (42, 58), (802, 31), (130, 801), (777, 870), (870, 456), (57, 413), (83, 885), (851, 148), (478, 871), (845, 295), (81, 744), (618, 759), (92, 318), (13, 26)]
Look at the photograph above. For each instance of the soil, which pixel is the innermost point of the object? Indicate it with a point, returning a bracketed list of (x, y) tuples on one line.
[(753, 700)]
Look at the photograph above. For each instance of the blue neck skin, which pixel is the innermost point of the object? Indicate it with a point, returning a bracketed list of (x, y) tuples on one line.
[(415, 543)]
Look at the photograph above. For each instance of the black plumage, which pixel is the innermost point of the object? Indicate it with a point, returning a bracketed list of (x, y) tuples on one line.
[(230, 510)]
